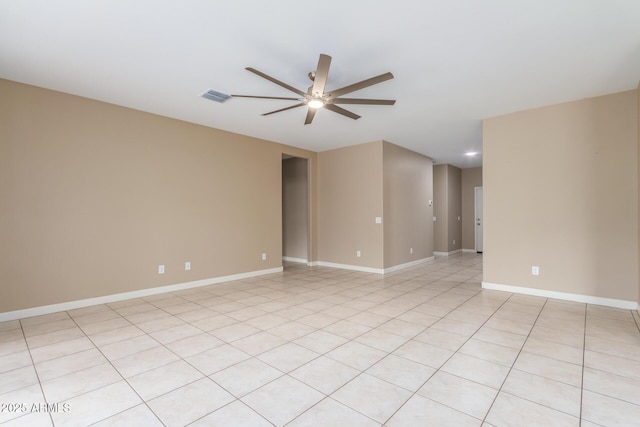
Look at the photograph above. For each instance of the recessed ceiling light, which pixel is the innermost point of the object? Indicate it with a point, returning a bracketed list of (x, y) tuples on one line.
[(471, 153)]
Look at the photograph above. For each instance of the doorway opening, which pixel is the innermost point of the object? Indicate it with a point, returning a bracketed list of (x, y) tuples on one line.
[(295, 210)]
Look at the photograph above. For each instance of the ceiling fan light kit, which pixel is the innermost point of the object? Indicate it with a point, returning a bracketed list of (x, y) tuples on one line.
[(315, 102), (315, 97)]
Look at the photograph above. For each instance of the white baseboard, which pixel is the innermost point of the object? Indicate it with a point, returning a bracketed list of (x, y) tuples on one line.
[(292, 259), (469, 251), (350, 267), (457, 251), (407, 265), (71, 305), (588, 299), (370, 269)]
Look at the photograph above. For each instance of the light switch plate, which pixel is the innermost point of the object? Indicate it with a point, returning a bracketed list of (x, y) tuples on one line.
[(378, 220)]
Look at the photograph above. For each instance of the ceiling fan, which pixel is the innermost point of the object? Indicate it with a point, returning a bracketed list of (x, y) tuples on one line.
[(315, 97)]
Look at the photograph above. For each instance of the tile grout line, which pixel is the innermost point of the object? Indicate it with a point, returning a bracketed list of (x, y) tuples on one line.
[(328, 396), (127, 381), (454, 353), (119, 373), (33, 364), (236, 399), (484, 420), (636, 317), (230, 343), (382, 358), (256, 357), (160, 344), (581, 387), (584, 351)]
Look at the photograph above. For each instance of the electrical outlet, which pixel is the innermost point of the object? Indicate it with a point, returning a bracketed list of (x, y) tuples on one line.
[(161, 269), (358, 253), (535, 270), (454, 242), (411, 250), (264, 256), (187, 265)]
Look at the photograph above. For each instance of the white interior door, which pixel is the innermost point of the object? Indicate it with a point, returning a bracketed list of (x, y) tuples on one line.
[(479, 220)]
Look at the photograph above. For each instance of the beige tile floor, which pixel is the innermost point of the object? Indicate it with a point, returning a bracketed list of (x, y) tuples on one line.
[(324, 347)]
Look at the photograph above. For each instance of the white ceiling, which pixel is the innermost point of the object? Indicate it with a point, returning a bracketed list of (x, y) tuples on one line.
[(455, 61)]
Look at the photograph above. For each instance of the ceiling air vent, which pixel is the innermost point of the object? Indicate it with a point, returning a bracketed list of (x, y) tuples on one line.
[(213, 95)]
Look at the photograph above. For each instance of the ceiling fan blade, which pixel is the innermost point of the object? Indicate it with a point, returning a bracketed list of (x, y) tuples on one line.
[(360, 85), (322, 72), (265, 97), (363, 101), (284, 109), (342, 111), (276, 81), (311, 113)]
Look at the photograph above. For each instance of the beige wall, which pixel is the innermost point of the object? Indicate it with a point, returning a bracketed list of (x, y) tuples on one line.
[(471, 178), (313, 202), (561, 192), (350, 197), (362, 182), (295, 208), (408, 187), (440, 207), (447, 201), (638, 149), (95, 196), (454, 208)]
